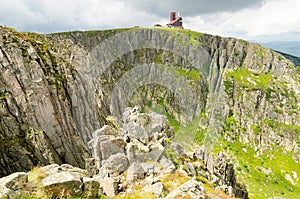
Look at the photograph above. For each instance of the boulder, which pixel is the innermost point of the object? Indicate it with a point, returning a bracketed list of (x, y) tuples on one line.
[(135, 172), (143, 119), (62, 184), (149, 168), (168, 165), (130, 114), (55, 168), (13, 184), (117, 163), (137, 132), (156, 188), (190, 189), (158, 122), (142, 153), (104, 149)]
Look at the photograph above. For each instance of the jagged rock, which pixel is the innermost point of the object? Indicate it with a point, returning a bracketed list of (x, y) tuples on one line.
[(117, 163), (149, 168), (107, 148), (60, 85), (135, 131), (158, 123), (143, 119), (130, 114), (109, 186), (224, 170), (192, 189), (90, 166), (137, 155), (135, 172), (13, 184), (156, 188), (168, 165), (221, 172)]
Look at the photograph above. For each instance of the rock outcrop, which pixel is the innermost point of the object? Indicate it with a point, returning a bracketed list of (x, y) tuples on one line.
[(50, 181), (123, 174)]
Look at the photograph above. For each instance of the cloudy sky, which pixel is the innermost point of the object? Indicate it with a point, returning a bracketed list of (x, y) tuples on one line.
[(256, 20)]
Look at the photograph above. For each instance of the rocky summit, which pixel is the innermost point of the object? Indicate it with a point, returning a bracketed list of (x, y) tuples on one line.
[(212, 117)]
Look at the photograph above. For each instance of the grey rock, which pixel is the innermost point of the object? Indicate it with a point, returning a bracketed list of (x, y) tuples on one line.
[(62, 106), (130, 114), (104, 149), (156, 188), (149, 168), (135, 172), (62, 184), (117, 163), (13, 184), (105, 130), (191, 188), (135, 131), (168, 165)]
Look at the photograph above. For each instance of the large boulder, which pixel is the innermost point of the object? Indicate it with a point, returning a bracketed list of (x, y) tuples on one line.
[(137, 132), (13, 184), (117, 163), (66, 180), (63, 184)]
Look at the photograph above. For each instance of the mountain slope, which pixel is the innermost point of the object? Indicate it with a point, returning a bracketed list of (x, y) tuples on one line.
[(57, 89)]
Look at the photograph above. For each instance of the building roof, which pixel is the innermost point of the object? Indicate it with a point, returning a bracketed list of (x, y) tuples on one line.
[(175, 20)]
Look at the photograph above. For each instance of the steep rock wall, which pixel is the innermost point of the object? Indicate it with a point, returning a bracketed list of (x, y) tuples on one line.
[(57, 89)]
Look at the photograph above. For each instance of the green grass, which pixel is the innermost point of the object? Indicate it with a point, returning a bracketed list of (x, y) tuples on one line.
[(249, 168), (192, 73), (248, 79)]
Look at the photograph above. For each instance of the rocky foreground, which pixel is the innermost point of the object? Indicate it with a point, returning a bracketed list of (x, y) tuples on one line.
[(135, 157)]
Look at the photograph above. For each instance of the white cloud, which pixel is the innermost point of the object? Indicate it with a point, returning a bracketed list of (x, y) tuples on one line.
[(274, 17), (235, 18)]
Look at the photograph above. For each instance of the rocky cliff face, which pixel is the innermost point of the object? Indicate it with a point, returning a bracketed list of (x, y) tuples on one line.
[(57, 89)]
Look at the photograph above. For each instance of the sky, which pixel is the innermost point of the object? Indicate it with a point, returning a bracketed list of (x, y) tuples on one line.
[(252, 20)]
